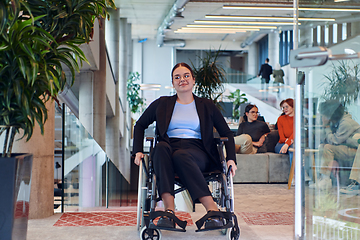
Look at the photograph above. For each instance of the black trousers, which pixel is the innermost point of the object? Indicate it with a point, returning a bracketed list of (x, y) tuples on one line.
[(186, 158)]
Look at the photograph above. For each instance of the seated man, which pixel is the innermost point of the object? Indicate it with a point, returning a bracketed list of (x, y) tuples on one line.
[(251, 133), (338, 137)]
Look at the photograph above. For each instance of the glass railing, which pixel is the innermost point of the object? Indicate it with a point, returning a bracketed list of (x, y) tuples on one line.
[(267, 96), (90, 179)]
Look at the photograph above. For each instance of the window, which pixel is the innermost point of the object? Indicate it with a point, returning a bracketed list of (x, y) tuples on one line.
[(285, 45), (263, 45)]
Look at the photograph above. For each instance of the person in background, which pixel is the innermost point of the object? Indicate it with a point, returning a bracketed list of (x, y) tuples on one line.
[(251, 133), (265, 71), (285, 125), (278, 74)]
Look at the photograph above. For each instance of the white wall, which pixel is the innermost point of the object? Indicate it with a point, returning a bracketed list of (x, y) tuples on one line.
[(157, 66)]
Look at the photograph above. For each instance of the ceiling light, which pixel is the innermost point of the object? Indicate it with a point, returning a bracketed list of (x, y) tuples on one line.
[(226, 29), (291, 8), (149, 89), (229, 26), (214, 30), (150, 85), (268, 17), (245, 23), (207, 30)]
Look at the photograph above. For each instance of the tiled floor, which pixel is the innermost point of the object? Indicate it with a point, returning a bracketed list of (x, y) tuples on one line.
[(265, 212)]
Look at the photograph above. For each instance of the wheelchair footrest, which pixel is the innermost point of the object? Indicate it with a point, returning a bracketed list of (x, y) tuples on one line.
[(181, 224), (227, 216)]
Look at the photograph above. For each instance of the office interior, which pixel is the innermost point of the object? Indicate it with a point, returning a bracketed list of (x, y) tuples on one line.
[(91, 139)]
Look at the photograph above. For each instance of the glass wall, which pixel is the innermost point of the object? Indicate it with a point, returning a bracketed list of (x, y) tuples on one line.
[(90, 179), (330, 130)]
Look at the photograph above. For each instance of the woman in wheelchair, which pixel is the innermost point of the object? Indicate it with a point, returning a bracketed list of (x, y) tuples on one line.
[(185, 144)]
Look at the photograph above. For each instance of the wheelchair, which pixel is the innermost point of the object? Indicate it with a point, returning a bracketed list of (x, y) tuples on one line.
[(222, 193)]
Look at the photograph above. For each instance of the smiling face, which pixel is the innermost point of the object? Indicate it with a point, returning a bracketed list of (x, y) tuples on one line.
[(252, 115), (182, 79), (287, 109)]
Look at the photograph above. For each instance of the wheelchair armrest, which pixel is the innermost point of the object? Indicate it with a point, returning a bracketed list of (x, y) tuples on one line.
[(221, 140)]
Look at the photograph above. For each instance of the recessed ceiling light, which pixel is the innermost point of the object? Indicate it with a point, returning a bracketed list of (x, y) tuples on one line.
[(269, 18), (290, 8), (245, 23), (214, 30), (229, 26)]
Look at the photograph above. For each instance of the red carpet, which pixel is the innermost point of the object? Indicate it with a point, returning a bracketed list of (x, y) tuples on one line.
[(268, 218), (84, 219)]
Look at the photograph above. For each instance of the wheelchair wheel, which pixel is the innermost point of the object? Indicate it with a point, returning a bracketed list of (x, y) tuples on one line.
[(150, 234), (233, 233)]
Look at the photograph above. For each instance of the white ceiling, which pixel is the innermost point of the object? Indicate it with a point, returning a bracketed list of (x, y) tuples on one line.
[(147, 15)]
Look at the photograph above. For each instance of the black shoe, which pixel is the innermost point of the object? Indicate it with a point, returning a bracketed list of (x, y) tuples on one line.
[(166, 222), (214, 222)]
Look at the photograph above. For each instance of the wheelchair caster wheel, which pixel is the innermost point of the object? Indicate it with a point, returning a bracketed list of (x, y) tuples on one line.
[(150, 234), (233, 233)]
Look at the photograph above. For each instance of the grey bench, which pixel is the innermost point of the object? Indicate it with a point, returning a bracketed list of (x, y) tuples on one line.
[(262, 168)]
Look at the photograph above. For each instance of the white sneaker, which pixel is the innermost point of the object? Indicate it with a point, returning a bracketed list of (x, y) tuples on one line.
[(322, 184), (352, 189)]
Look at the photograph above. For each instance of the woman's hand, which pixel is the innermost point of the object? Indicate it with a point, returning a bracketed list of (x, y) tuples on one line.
[(284, 148), (138, 157), (233, 168), (260, 142)]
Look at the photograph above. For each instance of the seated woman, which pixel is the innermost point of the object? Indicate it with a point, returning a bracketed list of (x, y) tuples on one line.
[(251, 133), (285, 125), (186, 146)]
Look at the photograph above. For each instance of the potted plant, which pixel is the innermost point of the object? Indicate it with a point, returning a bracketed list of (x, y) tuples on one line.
[(136, 102), (39, 41), (209, 77), (343, 82), (237, 99)]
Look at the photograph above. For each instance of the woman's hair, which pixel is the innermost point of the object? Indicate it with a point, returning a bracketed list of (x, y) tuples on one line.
[(182, 64), (332, 109), (281, 103), (247, 109), (289, 101)]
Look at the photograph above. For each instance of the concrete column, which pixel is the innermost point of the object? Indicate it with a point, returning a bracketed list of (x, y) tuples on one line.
[(124, 155), (113, 123), (129, 67), (99, 92), (253, 68), (86, 100), (331, 35), (42, 179), (123, 62), (315, 42), (129, 48), (322, 36), (339, 33), (348, 30), (273, 48), (355, 28)]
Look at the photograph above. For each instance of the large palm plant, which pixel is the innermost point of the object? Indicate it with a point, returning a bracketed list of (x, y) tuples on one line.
[(38, 41), (209, 77)]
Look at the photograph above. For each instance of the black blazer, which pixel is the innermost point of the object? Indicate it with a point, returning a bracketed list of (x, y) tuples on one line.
[(209, 115)]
